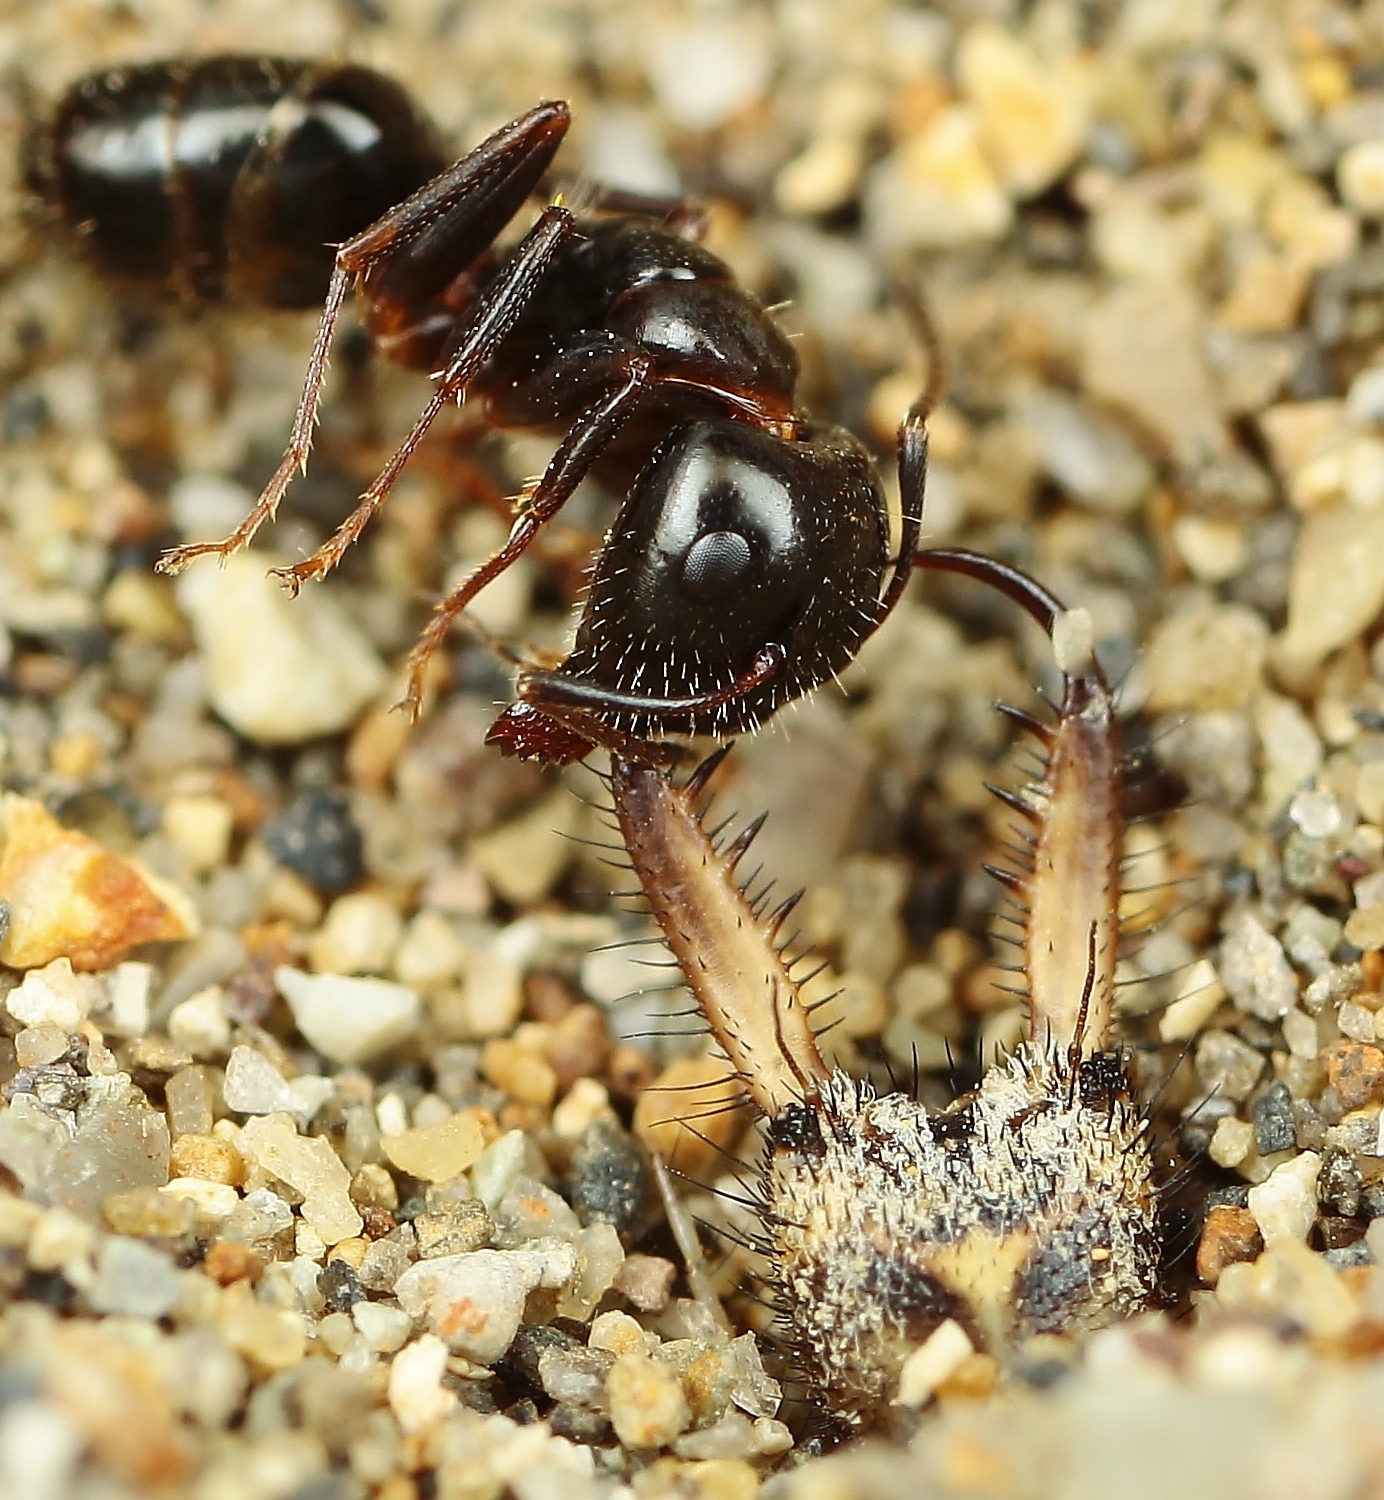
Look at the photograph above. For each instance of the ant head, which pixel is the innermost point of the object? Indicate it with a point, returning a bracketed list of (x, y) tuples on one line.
[(731, 543)]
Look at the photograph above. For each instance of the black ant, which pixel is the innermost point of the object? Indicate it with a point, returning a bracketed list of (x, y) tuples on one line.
[(750, 558), (229, 177)]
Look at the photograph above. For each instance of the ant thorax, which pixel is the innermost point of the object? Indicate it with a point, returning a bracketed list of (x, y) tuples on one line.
[(1026, 1207)]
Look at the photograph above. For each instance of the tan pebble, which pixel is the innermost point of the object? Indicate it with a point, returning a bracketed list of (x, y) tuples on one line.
[(940, 1357), (629, 1070), (693, 1112), (1365, 927), (60, 1238), (76, 755), (524, 1075), (1336, 588), (647, 1281), (524, 859), (1213, 550), (1231, 1141), (207, 1157), (1360, 177), (436, 1152), (271, 1338), (973, 1379), (937, 190), (1207, 657), (1300, 217), (1141, 354), (17, 1220), (190, 1095), (69, 897), (116, 1395), (353, 1251), (1298, 432), (1228, 1236), (647, 1405), (493, 999), (1369, 792), (359, 935), (430, 952), (142, 605), (860, 1002), (1198, 997), (228, 1261), (1033, 112), (578, 1045), (199, 826), (373, 1187), (716, 1479), (1356, 1071), (617, 1333), (148, 1212), (375, 746), (289, 896), (1291, 1282), (586, 1102), (821, 178)]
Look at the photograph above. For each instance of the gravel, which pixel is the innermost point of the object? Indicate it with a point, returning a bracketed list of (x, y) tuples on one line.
[(325, 1093)]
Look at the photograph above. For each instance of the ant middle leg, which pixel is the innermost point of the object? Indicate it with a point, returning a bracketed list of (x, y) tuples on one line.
[(498, 309), (632, 373), (406, 261)]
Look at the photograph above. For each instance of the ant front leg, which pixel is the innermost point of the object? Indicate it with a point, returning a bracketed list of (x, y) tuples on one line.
[(406, 260), (559, 717)]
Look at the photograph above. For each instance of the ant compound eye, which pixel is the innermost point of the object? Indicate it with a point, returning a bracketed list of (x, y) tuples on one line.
[(715, 563)]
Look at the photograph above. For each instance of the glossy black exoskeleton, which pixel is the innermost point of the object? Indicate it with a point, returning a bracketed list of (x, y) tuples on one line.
[(751, 556), (229, 177)]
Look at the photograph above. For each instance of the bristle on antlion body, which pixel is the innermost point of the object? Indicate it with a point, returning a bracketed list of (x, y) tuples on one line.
[(1026, 1207)]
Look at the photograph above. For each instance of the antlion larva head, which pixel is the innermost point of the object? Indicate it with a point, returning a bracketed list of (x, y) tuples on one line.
[(1027, 1206)]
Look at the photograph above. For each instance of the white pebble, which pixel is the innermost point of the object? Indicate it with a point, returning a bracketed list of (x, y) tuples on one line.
[(201, 1023), (39, 1449), (384, 1328), (359, 935), (704, 71), (416, 1396), (133, 1279), (947, 1348), (475, 1300), (214, 1200), (348, 1019), (126, 1010), (51, 996), (1284, 1205), (1255, 970), (253, 1086), (279, 670), (1360, 177)]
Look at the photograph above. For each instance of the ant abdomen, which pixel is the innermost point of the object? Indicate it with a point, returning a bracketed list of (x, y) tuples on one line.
[(229, 177)]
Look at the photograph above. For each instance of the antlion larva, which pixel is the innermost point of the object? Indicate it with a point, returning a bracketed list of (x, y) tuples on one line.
[(1025, 1207)]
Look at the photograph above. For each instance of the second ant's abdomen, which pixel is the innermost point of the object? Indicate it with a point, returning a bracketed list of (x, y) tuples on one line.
[(229, 176)]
